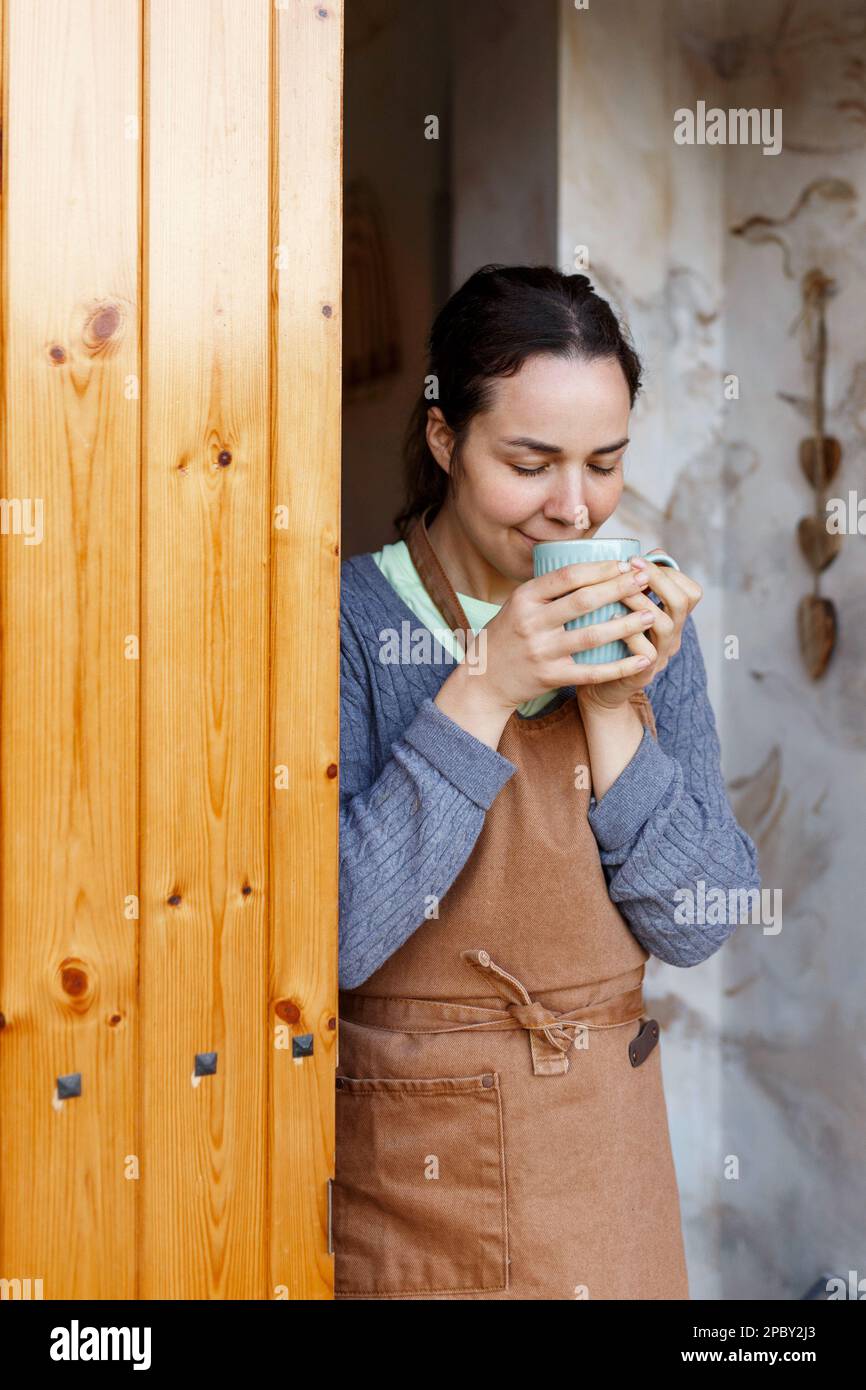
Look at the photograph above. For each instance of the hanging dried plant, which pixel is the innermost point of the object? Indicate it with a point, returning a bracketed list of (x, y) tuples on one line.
[(816, 628), (820, 460)]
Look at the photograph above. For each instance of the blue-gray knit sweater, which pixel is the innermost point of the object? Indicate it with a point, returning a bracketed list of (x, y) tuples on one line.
[(415, 787)]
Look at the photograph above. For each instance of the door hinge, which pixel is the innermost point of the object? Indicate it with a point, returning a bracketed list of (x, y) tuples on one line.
[(330, 1216)]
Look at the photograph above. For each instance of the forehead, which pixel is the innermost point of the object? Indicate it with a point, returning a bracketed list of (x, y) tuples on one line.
[(553, 396)]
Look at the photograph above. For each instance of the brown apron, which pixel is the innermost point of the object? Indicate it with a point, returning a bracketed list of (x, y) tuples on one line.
[(501, 1129)]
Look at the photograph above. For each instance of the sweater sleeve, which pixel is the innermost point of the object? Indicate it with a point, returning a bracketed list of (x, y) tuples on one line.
[(665, 829), (406, 832)]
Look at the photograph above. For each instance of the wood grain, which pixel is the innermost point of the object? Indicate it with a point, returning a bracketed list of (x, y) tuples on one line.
[(69, 711), (305, 626), (205, 644), (170, 267)]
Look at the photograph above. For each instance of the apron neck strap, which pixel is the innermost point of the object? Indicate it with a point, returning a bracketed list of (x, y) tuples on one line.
[(434, 578)]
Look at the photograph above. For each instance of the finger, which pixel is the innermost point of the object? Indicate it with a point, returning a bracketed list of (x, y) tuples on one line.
[(663, 624), (693, 592), (663, 583), (641, 643), (599, 634), (691, 586), (570, 577), (586, 673), (590, 597)]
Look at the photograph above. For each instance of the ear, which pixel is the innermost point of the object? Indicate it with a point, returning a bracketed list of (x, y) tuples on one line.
[(440, 438)]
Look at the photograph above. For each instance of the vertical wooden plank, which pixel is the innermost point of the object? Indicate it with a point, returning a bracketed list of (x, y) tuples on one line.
[(305, 636), (204, 748), (69, 601)]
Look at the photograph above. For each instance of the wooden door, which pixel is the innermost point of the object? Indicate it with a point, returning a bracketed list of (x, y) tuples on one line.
[(170, 273)]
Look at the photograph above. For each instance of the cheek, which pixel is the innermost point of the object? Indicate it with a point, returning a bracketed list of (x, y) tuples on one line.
[(513, 500), (603, 496), (494, 499)]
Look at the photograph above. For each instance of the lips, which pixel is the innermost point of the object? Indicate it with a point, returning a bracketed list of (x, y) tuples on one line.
[(534, 540)]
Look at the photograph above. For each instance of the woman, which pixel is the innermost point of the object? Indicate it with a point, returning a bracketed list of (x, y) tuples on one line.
[(515, 835)]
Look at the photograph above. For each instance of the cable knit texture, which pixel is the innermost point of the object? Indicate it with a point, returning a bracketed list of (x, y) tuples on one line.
[(415, 787)]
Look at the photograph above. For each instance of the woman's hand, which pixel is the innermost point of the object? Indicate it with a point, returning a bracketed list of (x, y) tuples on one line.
[(660, 641), (525, 650)]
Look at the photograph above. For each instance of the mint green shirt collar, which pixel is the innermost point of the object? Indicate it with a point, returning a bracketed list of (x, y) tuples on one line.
[(395, 562)]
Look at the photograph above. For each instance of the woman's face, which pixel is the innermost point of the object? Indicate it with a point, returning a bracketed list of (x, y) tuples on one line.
[(544, 464)]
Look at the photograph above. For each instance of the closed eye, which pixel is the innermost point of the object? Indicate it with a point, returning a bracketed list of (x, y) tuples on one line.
[(534, 472)]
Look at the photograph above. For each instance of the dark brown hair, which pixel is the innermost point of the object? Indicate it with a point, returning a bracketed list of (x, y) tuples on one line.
[(499, 317)]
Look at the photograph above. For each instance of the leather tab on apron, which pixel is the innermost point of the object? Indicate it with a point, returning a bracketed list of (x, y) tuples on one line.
[(642, 1045)]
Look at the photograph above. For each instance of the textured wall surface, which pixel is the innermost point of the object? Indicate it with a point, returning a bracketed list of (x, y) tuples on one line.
[(765, 1059)]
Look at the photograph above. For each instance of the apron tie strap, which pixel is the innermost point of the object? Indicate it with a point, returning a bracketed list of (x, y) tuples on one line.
[(551, 1035)]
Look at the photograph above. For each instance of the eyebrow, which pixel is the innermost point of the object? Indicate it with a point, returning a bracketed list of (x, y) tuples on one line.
[(538, 446)]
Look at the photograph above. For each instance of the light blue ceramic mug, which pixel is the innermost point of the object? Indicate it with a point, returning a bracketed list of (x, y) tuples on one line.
[(552, 555)]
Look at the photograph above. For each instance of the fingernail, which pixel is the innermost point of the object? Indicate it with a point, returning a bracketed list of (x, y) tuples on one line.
[(639, 562)]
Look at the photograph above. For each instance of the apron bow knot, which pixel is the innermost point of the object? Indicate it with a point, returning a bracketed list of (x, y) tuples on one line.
[(532, 1015), (549, 1040)]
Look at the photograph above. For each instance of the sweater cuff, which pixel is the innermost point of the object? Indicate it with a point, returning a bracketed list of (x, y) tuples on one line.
[(629, 802), (472, 766)]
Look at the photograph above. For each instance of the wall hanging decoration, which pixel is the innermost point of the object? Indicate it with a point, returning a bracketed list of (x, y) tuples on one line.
[(820, 458), (808, 234)]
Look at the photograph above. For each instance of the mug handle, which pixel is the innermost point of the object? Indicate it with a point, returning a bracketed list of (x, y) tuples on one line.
[(661, 557)]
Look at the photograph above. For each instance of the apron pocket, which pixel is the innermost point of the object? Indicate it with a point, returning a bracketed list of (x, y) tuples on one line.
[(419, 1187)]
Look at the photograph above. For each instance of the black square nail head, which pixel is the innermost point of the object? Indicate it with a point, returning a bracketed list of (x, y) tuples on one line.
[(68, 1086), (302, 1046), (205, 1063)]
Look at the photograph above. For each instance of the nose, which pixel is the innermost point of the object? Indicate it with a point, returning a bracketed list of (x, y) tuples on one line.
[(566, 503)]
